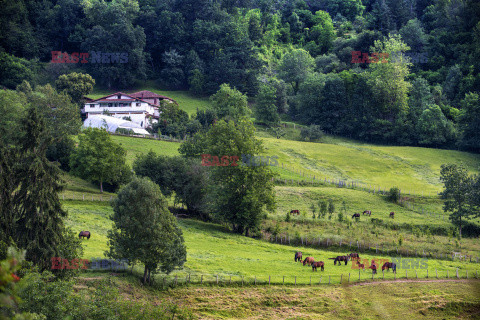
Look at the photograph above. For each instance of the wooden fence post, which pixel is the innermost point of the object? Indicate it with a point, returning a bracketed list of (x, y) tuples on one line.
[(341, 278), (406, 274), (328, 279), (447, 274), (320, 281), (349, 277), (383, 274), (268, 280), (358, 274), (416, 274), (457, 273), (201, 279), (217, 279)]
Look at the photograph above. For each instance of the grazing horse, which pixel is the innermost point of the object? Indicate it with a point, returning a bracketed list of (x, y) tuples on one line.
[(354, 255), (392, 214), (388, 265), (297, 212), (308, 260), (298, 256), (367, 212), (84, 234), (356, 215), (360, 265), (339, 259), (373, 267), (317, 264)]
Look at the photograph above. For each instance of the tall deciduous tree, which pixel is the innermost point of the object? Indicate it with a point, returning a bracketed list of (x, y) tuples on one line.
[(266, 110), (470, 122), (295, 66), (98, 158), (76, 85), (144, 230), (230, 103), (457, 189)]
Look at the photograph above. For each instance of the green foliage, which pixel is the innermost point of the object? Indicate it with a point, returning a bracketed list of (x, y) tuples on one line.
[(393, 194), (145, 230), (458, 191), (14, 70), (470, 122), (265, 109), (76, 85), (98, 158), (311, 133), (229, 103), (295, 66), (331, 206), (288, 218)]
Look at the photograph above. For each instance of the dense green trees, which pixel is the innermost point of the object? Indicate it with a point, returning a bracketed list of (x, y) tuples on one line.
[(76, 85)]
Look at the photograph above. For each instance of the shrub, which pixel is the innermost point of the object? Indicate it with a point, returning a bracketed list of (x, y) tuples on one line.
[(393, 194)]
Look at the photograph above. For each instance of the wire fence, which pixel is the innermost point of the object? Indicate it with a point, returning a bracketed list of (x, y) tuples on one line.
[(317, 278)]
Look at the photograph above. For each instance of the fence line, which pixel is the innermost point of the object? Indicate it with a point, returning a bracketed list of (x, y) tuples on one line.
[(303, 280), (85, 197), (357, 246)]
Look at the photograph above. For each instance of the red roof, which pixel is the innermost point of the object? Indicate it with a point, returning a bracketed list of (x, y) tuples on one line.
[(145, 94)]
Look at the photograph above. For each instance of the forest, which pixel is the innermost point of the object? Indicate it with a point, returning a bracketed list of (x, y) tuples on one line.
[(315, 62)]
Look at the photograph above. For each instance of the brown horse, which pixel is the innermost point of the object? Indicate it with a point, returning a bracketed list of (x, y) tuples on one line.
[(356, 215), (317, 264), (297, 212), (373, 267), (298, 256), (84, 234), (354, 255), (367, 212), (392, 214), (308, 260), (388, 265), (339, 259), (360, 265)]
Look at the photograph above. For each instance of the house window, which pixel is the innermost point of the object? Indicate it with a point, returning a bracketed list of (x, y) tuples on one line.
[(109, 105), (119, 97), (92, 106), (138, 104)]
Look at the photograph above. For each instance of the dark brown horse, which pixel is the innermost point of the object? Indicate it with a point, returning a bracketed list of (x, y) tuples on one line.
[(298, 256), (84, 234), (388, 265), (317, 264), (339, 259), (297, 212), (354, 255), (392, 214), (373, 267), (308, 260), (356, 215), (367, 212)]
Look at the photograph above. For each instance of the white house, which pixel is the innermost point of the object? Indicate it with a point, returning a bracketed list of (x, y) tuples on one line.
[(141, 107)]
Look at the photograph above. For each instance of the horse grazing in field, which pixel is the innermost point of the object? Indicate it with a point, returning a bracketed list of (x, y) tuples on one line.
[(298, 256), (356, 215), (84, 234), (308, 260), (297, 212), (339, 259), (373, 267), (317, 264), (354, 255), (388, 265), (367, 212), (360, 265), (392, 214)]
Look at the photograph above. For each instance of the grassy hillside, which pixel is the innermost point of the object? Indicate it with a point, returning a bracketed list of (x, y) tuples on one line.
[(212, 250), (136, 146)]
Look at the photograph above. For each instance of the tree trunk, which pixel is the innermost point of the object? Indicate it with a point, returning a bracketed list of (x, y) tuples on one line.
[(460, 228), (101, 186), (145, 275)]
